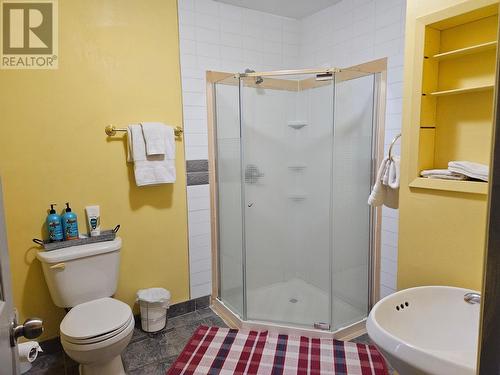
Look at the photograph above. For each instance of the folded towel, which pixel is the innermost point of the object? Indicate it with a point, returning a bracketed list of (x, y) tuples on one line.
[(148, 169), (377, 195), (386, 188), (443, 174), (160, 139), (391, 175), (470, 169)]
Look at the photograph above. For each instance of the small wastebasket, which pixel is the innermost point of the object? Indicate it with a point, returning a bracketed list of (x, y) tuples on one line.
[(154, 303)]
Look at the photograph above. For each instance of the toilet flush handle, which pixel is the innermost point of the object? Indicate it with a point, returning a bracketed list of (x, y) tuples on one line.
[(58, 266)]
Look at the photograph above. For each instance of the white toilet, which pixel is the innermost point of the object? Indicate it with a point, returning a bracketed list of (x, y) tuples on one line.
[(97, 328)]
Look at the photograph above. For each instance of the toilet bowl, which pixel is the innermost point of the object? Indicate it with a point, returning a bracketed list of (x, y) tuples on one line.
[(95, 333)]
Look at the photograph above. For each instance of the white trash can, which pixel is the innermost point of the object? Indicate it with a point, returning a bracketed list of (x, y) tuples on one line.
[(154, 303)]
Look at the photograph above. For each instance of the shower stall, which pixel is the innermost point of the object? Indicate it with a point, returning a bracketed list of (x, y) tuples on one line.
[(293, 157)]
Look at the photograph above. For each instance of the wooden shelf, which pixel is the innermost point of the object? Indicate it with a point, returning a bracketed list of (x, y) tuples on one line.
[(463, 90), (473, 187), (466, 51)]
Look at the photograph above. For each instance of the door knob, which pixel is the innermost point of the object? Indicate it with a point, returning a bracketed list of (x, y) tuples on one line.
[(30, 329)]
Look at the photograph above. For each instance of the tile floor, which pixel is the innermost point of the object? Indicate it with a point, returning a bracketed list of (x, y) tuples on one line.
[(147, 353)]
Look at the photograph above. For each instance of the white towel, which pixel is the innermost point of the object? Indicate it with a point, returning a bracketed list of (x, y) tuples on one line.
[(386, 188), (160, 139), (148, 170), (443, 174), (470, 169), (391, 175)]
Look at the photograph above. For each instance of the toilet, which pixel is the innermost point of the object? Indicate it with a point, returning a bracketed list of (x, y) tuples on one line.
[(97, 328)]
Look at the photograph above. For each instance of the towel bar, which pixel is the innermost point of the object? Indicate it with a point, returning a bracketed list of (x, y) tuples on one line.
[(392, 144), (111, 130)]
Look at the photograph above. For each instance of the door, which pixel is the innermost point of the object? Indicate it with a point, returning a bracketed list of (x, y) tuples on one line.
[(354, 155), (8, 353), (287, 131), (229, 207), (489, 335), (10, 331)]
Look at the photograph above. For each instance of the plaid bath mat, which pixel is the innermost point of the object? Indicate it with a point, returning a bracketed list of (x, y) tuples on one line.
[(223, 351)]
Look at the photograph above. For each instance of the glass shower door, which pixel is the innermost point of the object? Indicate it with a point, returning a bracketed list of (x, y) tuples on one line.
[(229, 200), (295, 157), (287, 131), (353, 160)]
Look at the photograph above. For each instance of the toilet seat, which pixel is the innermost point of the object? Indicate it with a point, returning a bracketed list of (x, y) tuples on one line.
[(96, 321)]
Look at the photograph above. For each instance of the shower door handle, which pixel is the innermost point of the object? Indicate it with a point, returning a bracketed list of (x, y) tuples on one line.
[(252, 174)]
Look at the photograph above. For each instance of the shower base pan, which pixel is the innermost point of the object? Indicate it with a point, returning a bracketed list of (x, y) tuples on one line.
[(292, 308)]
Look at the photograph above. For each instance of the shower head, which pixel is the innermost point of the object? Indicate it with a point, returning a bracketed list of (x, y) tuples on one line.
[(258, 79)]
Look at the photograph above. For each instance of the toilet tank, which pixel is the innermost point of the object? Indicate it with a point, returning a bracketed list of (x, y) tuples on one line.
[(82, 273)]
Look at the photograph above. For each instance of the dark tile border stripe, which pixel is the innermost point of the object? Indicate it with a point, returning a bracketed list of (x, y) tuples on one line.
[(188, 306), (197, 178), (197, 172), (197, 165)]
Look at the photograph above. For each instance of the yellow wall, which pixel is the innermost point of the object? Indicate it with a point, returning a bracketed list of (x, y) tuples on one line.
[(441, 234), (118, 63)]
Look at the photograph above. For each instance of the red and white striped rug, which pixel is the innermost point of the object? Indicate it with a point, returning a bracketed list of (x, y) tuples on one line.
[(224, 351)]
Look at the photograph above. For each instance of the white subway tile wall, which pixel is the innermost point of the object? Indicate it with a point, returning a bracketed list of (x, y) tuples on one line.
[(217, 36), (200, 268), (349, 33)]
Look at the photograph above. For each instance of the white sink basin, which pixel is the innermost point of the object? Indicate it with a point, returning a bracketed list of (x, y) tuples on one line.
[(435, 332)]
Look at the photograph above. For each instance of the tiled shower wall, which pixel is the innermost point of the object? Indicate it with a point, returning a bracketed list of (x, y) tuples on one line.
[(217, 36), (352, 32), (221, 37)]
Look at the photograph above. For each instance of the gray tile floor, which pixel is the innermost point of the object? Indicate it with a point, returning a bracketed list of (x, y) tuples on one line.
[(147, 353)]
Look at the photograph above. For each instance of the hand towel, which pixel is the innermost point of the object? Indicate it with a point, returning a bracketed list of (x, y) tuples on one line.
[(391, 175), (470, 169), (148, 170), (386, 188), (443, 174), (160, 139), (377, 195)]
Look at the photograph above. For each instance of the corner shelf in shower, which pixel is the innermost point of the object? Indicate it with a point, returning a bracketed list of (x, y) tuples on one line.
[(297, 124), (297, 197), (297, 167)]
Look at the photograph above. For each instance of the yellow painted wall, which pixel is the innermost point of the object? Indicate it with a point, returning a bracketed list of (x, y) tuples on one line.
[(441, 234), (118, 63)]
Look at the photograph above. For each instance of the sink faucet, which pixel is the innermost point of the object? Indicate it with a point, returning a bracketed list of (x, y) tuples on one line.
[(472, 298)]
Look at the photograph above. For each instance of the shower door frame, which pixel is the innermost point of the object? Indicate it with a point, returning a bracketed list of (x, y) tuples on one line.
[(377, 67)]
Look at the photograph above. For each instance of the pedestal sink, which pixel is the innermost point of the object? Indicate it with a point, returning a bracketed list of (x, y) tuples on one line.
[(427, 330)]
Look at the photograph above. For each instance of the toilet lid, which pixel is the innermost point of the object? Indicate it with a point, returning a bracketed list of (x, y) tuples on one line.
[(95, 318)]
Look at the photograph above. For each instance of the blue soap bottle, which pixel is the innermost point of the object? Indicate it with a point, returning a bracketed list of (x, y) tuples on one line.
[(70, 224), (54, 225)]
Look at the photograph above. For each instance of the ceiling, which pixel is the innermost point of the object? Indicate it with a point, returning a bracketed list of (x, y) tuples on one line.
[(288, 8)]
